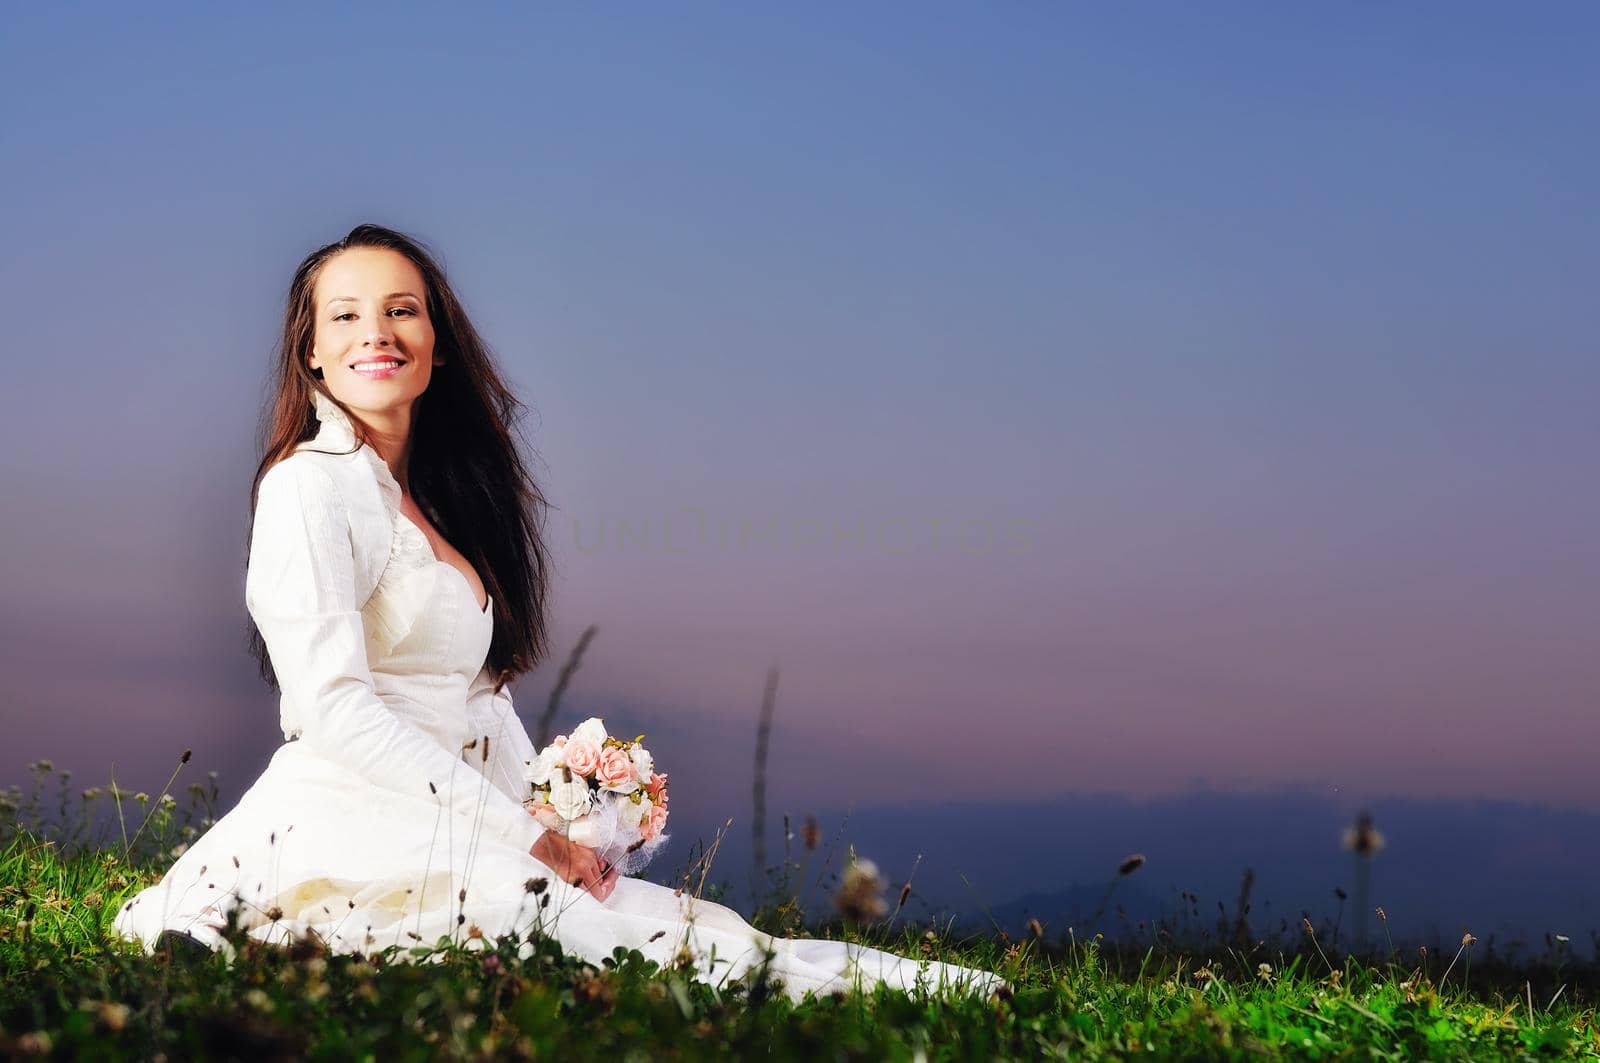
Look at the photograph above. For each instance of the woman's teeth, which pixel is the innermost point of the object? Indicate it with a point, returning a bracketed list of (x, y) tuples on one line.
[(382, 368)]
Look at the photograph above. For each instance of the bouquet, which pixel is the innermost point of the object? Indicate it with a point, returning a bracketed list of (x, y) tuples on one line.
[(602, 792)]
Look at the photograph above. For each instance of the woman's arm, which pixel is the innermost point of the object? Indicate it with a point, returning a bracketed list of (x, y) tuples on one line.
[(300, 589)]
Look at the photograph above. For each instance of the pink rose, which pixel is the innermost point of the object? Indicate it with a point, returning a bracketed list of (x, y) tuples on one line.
[(582, 756), (616, 769), (657, 789), (654, 822)]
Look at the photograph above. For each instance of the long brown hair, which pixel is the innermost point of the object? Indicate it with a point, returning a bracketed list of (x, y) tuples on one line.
[(465, 471)]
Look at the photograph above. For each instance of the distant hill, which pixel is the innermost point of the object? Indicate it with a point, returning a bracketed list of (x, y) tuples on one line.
[(1511, 870)]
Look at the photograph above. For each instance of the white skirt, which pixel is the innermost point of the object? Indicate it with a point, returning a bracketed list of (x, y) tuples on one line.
[(308, 849)]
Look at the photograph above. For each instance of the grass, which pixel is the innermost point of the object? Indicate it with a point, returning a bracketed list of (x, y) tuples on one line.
[(73, 989)]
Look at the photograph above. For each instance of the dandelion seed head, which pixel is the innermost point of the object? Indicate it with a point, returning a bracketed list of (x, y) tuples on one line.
[(860, 895)]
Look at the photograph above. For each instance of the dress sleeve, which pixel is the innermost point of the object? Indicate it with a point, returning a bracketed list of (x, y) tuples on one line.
[(493, 716), (300, 590)]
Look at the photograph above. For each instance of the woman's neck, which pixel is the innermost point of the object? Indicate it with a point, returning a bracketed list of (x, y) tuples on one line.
[(389, 434)]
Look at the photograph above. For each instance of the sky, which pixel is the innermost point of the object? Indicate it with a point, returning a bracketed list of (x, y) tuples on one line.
[(1067, 399)]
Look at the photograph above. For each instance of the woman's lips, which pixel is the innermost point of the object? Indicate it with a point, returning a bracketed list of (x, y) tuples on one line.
[(377, 370)]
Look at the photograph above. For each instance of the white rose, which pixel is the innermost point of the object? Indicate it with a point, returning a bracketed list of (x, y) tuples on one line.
[(643, 762), (538, 770), (571, 799), (592, 729), (631, 813)]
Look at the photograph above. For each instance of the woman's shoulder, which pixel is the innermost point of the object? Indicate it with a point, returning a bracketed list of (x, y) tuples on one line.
[(306, 462), (318, 486), (305, 477), (317, 501)]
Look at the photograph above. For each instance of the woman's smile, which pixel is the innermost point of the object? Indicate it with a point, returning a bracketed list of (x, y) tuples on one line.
[(378, 368)]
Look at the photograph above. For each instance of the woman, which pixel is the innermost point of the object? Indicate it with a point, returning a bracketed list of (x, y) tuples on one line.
[(397, 580)]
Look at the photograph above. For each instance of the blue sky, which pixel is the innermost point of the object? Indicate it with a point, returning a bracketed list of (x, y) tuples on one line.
[(1269, 326)]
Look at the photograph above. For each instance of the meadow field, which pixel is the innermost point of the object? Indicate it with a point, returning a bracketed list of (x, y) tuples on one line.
[(73, 990)]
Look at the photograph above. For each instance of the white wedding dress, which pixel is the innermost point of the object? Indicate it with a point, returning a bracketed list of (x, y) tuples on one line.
[(339, 838)]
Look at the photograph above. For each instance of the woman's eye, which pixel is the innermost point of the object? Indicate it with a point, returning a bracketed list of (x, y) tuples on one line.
[(402, 309)]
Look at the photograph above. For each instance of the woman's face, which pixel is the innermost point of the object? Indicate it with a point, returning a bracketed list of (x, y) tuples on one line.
[(373, 340)]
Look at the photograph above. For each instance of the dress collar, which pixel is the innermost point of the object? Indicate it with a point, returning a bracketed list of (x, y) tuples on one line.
[(337, 431)]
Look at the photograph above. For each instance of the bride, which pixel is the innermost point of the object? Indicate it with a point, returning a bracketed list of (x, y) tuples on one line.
[(396, 580)]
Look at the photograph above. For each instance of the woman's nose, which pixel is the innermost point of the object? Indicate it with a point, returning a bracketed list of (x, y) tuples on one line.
[(380, 332)]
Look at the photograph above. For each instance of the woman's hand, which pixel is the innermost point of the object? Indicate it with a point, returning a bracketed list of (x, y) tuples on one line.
[(577, 864)]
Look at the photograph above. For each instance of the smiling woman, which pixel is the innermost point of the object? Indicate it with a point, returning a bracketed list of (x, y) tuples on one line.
[(393, 814)]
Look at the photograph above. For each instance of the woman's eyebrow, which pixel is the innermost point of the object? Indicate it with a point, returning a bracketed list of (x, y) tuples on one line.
[(391, 295)]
